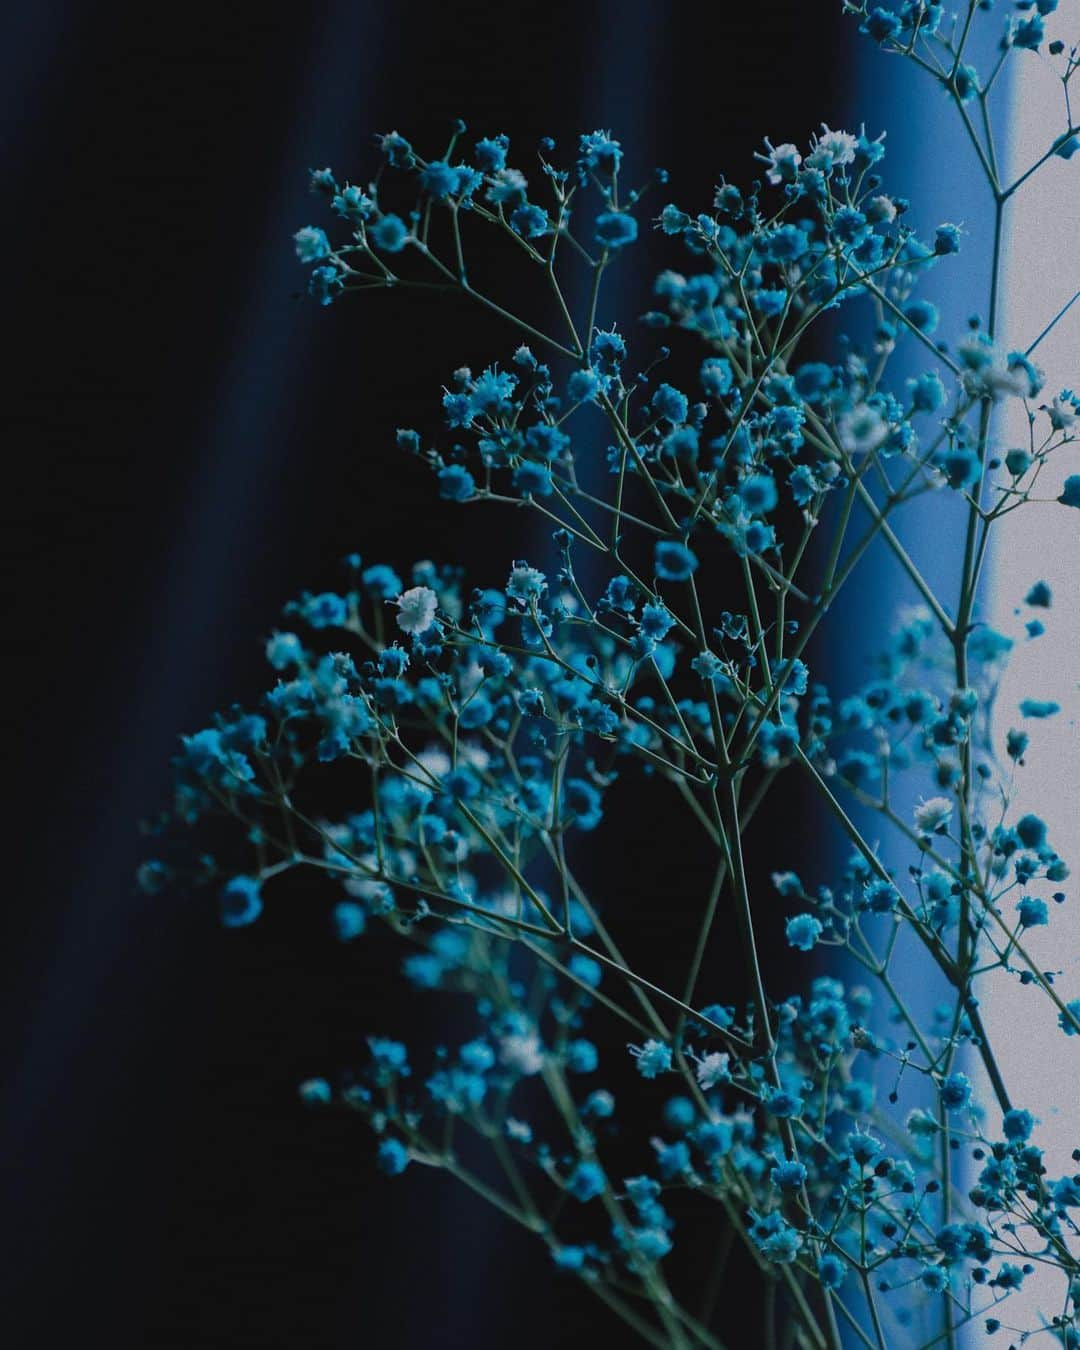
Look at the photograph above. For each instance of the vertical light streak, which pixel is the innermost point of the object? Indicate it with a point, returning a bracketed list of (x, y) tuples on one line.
[(1041, 543)]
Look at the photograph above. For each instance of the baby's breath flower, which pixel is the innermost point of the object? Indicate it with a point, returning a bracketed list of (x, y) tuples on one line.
[(653, 1058), (416, 609), (803, 931), (932, 816), (713, 1069)]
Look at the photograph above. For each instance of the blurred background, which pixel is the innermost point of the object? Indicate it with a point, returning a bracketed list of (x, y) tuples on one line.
[(191, 442)]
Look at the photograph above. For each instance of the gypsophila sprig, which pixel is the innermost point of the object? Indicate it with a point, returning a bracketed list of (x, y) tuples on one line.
[(485, 731)]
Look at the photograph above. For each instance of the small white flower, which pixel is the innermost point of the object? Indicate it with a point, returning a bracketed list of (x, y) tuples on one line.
[(881, 210), (376, 894), (416, 609), (476, 756), (1062, 414), (932, 815), (783, 162), (832, 149), (522, 1053), (713, 1069), (862, 429), (434, 760)]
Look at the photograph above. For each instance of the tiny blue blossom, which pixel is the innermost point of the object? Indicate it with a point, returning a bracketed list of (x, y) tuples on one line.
[(674, 562), (803, 931), (241, 902), (393, 1157), (312, 244), (615, 229), (389, 234), (653, 1058)]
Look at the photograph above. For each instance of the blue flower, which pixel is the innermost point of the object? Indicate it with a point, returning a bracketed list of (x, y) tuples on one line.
[(492, 391), (546, 441), (781, 1102), (1070, 494), (881, 25), (530, 221), (673, 1160), (477, 1056), (315, 1092), (656, 621), (586, 1181), (922, 315), (880, 896), (672, 220), (533, 479), (353, 205), (1032, 911), (389, 233), (284, 650), (350, 920), (583, 799), (769, 301), (583, 385), (775, 1237), (862, 1148), (585, 968), (581, 1057), (599, 151), (960, 466), (607, 351), (439, 179), (1068, 1022), (312, 244), (803, 931), (1028, 33), (398, 151), (1039, 596), (758, 493), (381, 581), (674, 562), (323, 181), (598, 718), (456, 483), (615, 229), (787, 1175), (1017, 1125), (947, 239), (392, 1157), (1039, 708), (490, 153), (679, 1114), (670, 403), (831, 1271), (934, 1279), (786, 243), (927, 392), (325, 285), (955, 1092), (241, 902), (653, 1058), (325, 610), (717, 376)]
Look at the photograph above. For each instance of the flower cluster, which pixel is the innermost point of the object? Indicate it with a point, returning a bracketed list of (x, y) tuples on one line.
[(666, 636)]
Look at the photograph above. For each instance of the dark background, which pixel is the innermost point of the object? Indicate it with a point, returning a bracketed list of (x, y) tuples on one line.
[(188, 443)]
